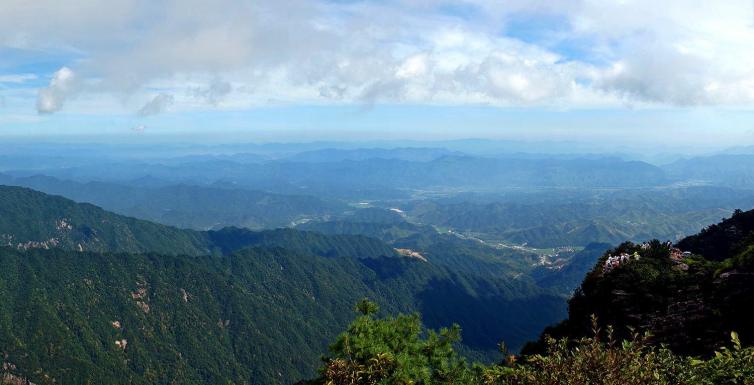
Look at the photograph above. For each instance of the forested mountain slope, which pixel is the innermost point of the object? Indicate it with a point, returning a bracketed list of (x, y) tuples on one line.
[(443, 249), (186, 205), (589, 216), (650, 313), (689, 296), (30, 219), (77, 317), (727, 239), (207, 308)]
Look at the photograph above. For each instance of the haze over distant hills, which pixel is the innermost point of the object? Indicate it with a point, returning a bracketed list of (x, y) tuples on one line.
[(493, 241), (538, 199)]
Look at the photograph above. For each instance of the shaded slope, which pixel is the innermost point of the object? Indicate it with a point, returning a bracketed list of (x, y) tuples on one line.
[(690, 304), (211, 320)]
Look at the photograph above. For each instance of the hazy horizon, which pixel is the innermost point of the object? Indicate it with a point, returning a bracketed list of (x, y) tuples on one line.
[(655, 153)]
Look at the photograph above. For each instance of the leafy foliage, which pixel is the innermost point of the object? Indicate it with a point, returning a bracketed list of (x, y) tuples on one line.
[(393, 351), (631, 362)]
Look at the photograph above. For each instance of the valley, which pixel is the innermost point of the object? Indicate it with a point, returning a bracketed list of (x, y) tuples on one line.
[(371, 192), (218, 252)]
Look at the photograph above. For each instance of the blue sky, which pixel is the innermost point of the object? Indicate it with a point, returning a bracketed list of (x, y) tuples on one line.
[(613, 70)]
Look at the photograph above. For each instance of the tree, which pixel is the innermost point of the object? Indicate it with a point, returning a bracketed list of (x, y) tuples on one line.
[(393, 350)]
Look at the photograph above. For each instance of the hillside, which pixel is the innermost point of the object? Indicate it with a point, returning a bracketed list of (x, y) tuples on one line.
[(33, 220), (725, 240), (443, 249), (230, 239), (210, 320), (228, 305), (691, 301), (650, 313), (185, 205), (30, 219), (568, 277), (386, 225), (551, 219)]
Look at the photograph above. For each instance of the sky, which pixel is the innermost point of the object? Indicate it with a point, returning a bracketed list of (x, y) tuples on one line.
[(678, 71)]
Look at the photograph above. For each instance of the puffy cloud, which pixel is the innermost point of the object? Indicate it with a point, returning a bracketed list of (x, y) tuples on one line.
[(63, 85), (157, 105), (412, 67), (569, 53), (683, 53), (648, 78)]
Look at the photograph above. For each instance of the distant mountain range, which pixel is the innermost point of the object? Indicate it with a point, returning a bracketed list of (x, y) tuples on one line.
[(734, 170), (548, 218), (499, 163), (346, 174), (415, 154)]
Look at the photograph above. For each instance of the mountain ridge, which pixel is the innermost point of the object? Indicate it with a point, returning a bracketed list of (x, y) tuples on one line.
[(690, 295)]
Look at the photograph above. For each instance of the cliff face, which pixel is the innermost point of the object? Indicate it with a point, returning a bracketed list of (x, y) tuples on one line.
[(672, 300), (701, 317), (689, 296)]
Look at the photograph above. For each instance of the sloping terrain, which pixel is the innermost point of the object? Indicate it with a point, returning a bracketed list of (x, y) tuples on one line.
[(224, 306), (689, 296)]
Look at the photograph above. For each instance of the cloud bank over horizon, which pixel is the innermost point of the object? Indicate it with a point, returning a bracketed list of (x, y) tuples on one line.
[(563, 54)]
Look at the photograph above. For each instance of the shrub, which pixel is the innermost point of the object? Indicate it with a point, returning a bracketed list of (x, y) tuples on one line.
[(398, 351)]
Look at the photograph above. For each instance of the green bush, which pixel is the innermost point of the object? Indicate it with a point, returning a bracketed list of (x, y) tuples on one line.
[(397, 350), (393, 351)]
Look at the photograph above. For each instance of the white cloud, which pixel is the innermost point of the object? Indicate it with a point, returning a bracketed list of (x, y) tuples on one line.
[(64, 84), (683, 53), (412, 67), (157, 105), (17, 78), (586, 53), (214, 92)]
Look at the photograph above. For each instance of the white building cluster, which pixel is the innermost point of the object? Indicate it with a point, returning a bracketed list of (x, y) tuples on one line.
[(614, 261), (676, 255)]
